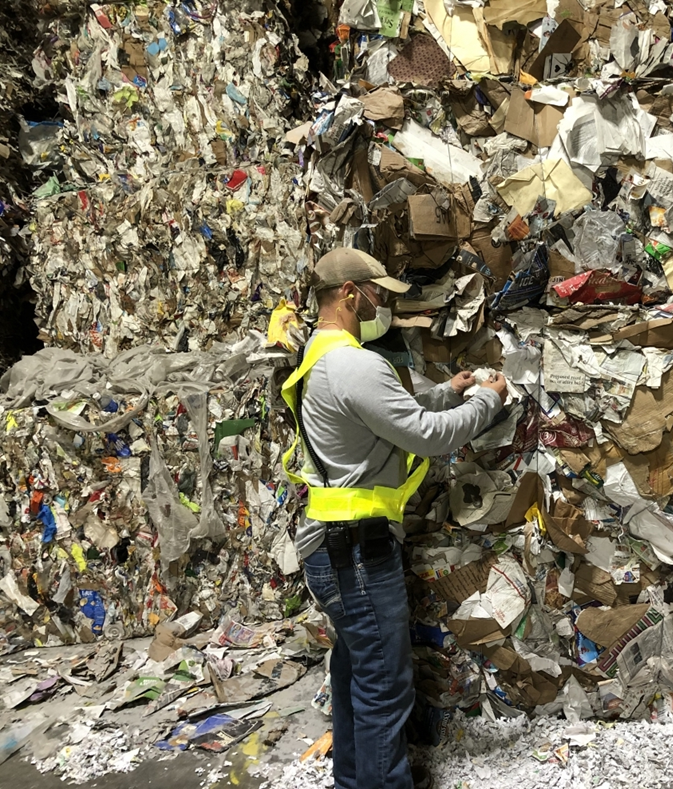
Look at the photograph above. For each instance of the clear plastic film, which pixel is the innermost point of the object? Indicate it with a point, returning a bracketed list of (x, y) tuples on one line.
[(174, 522), (210, 523)]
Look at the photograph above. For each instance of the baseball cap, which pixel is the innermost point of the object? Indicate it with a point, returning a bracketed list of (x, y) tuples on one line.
[(351, 265)]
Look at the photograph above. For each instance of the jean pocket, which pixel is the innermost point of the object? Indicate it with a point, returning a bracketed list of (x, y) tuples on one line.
[(323, 583), (380, 553)]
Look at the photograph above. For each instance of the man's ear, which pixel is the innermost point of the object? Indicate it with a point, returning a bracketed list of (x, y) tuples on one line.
[(348, 290)]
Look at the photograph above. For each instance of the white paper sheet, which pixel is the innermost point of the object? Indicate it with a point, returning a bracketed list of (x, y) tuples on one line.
[(644, 518), (447, 163)]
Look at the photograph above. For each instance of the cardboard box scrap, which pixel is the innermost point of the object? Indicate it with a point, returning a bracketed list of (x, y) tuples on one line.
[(515, 169)]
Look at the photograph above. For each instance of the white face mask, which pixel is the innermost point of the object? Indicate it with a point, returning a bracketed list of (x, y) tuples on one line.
[(373, 329)]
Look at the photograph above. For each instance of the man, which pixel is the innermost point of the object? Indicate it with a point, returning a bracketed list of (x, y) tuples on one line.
[(360, 429)]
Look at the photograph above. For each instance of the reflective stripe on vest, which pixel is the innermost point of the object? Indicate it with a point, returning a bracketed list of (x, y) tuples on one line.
[(345, 504)]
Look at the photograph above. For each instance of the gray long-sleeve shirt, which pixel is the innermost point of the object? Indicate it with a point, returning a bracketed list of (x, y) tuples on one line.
[(361, 420)]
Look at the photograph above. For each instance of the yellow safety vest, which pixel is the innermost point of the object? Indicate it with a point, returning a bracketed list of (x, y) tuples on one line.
[(345, 504)]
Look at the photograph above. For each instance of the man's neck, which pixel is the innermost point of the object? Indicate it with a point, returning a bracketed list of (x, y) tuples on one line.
[(330, 322)]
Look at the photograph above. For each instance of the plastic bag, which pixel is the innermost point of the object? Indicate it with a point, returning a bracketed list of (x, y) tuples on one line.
[(210, 523), (174, 522), (597, 235), (286, 328), (82, 425), (50, 369)]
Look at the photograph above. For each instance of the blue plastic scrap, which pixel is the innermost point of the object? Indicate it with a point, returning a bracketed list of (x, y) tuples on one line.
[(91, 605), (216, 733), (235, 94), (526, 285), (47, 517)]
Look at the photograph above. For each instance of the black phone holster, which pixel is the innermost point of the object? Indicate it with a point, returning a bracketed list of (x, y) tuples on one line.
[(373, 537), (375, 540)]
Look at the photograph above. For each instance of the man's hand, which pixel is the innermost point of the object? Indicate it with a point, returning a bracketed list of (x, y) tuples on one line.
[(498, 384), (462, 381)]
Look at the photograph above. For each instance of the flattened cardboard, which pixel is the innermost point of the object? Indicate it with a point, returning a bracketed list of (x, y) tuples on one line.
[(167, 639), (430, 254), (499, 45), (500, 12), (412, 321), (360, 175), (598, 457), (596, 584), (465, 581), (560, 266), (434, 349), (650, 413), (219, 149), (586, 317), (650, 334), (435, 374), (135, 52), (529, 492), (427, 220), (498, 259), (605, 627), (536, 123), (385, 105), (460, 211), (393, 166), (661, 106), (563, 40), (460, 28), (533, 687), (474, 632), (567, 527), (652, 472)]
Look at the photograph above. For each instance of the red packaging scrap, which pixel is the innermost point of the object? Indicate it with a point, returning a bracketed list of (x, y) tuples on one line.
[(236, 180), (592, 286)]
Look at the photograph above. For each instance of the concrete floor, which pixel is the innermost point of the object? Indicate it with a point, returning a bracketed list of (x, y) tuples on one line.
[(190, 769)]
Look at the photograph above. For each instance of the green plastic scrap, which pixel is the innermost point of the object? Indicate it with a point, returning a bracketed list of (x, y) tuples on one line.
[(521, 629), (231, 427), (658, 250), (143, 687), (292, 604), (127, 96), (501, 545), (189, 504), (48, 189), (290, 711), (183, 673)]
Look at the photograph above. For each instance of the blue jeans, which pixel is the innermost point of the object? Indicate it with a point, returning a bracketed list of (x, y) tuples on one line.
[(371, 667)]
